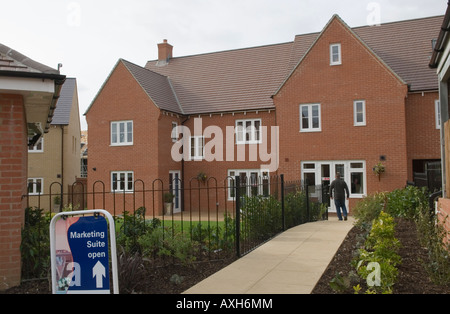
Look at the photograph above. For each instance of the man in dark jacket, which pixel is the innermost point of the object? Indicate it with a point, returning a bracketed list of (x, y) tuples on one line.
[(340, 188)]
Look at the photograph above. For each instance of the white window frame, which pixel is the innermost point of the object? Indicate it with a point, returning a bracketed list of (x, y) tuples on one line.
[(126, 188), (198, 154), (361, 170), (34, 182), (437, 110), (35, 148), (117, 125), (356, 112), (253, 132), (310, 118), (174, 133), (339, 54), (261, 174)]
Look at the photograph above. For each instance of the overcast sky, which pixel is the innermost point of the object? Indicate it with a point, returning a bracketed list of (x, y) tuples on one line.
[(89, 36)]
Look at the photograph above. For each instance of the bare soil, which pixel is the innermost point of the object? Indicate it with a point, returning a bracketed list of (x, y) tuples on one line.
[(412, 277)]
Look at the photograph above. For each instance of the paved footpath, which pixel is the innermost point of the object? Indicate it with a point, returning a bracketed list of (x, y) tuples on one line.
[(291, 263)]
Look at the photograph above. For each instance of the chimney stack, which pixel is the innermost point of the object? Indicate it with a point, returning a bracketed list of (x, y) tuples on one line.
[(164, 52)]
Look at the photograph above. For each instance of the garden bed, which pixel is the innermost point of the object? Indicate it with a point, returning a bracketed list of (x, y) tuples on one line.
[(412, 276), (169, 279)]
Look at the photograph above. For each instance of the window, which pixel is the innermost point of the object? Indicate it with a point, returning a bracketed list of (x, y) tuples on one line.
[(174, 134), (248, 131), (122, 181), (310, 118), (357, 171), (38, 148), (335, 54), (197, 151), (309, 176), (437, 110), (35, 186), (359, 110), (122, 133), (253, 183)]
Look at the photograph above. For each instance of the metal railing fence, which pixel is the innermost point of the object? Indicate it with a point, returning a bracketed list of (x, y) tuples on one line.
[(208, 220)]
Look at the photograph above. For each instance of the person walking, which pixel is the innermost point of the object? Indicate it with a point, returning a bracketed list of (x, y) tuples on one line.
[(340, 189)]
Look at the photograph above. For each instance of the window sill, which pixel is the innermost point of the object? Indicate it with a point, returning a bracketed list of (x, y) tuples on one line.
[(357, 195), (248, 143)]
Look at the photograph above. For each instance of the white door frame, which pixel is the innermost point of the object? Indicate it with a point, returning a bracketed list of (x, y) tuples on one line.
[(175, 177), (314, 170)]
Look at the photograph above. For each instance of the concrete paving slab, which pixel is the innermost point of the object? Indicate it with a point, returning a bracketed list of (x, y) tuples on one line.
[(291, 263)]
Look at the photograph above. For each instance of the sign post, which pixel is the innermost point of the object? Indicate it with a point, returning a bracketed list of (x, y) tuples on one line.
[(79, 250)]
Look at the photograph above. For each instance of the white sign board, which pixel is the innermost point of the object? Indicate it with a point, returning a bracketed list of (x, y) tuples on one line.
[(79, 248)]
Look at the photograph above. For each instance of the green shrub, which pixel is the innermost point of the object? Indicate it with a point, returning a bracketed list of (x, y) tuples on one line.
[(405, 202), (380, 251), (432, 235), (164, 242), (35, 245), (369, 208), (260, 217), (295, 208)]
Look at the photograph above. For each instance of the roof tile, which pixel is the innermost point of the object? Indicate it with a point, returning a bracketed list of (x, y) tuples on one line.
[(245, 79)]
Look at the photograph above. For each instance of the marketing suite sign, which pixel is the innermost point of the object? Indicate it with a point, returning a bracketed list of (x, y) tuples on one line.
[(80, 252)]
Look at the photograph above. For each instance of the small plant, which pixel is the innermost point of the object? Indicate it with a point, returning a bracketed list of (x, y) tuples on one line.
[(168, 197), (131, 270), (379, 169), (340, 283), (57, 200), (176, 279), (201, 176)]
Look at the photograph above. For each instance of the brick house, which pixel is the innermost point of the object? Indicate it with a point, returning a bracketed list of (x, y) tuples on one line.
[(28, 95), (344, 99)]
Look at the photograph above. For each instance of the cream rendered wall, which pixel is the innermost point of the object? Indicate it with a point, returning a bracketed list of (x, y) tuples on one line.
[(48, 164)]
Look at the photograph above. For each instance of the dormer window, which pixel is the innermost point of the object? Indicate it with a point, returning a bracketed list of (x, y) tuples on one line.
[(335, 54)]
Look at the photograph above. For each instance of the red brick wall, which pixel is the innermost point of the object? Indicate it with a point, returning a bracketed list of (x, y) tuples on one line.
[(422, 135), (121, 99), (218, 170), (13, 175), (361, 76)]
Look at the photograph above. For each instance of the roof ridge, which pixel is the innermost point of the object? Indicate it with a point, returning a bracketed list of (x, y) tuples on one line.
[(227, 50), (175, 95), (28, 62), (150, 93), (142, 68), (402, 21)]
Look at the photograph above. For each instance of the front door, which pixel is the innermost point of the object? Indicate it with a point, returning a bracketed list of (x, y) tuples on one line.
[(175, 189)]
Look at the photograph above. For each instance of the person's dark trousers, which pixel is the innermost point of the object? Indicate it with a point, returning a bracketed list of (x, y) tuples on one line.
[(340, 204)]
